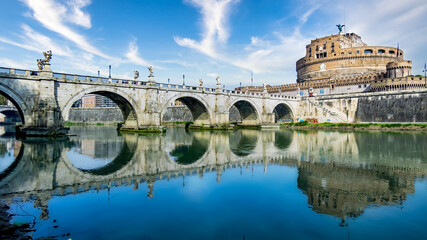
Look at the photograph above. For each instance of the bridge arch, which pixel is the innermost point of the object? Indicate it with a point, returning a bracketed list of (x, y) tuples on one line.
[(18, 102), (249, 114), (282, 113), (199, 108), (124, 101)]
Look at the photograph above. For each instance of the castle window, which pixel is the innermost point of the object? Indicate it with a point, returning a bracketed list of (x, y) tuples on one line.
[(321, 55), (309, 50), (391, 52), (332, 45), (333, 50), (324, 46), (381, 51), (368, 51), (317, 48), (309, 55), (357, 51)]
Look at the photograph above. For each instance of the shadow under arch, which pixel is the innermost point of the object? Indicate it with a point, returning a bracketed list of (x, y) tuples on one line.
[(127, 107), (243, 142), (247, 113), (198, 108), (283, 139), (186, 154), (283, 113)]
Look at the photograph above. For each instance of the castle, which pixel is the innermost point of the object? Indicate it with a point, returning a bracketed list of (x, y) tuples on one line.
[(343, 63)]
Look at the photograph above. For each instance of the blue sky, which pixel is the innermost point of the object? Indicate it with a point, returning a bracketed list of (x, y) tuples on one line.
[(199, 38)]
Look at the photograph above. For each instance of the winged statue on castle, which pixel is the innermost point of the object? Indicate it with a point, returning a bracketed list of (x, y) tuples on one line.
[(340, 27)]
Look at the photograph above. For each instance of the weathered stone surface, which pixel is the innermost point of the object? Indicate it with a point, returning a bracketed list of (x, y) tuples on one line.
[(177, 113), (393, 108), (101, 115)]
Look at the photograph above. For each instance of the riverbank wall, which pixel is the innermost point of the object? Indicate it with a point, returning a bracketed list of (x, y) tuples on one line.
[(378, 107)]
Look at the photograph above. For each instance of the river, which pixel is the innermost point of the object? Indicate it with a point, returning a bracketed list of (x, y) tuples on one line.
[(243, 184)]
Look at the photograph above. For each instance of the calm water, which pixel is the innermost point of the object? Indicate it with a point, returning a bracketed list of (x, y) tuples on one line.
[(246, 184)]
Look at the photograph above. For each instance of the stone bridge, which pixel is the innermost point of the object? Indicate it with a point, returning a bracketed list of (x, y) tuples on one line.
[(43, 99)]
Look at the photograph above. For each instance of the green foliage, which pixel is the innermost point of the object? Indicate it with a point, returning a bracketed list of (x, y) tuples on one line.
[(304, 123), (184, 122), (3, 100)]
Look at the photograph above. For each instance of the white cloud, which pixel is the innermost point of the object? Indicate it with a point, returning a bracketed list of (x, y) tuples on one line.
[(5, 62), (54, 16), (34, 41), (215, 28), (133, 54), (261, 55), (77, 16)]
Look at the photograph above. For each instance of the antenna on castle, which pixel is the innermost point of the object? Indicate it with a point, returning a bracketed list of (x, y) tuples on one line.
[(397, 53), (345, 28)]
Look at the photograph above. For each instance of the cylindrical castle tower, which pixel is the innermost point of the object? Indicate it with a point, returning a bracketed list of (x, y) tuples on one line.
[(397, 69), (343, 55)]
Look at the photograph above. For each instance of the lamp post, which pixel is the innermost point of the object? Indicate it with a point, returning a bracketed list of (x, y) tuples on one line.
[(425, 74), (183, 79), (109, 71)]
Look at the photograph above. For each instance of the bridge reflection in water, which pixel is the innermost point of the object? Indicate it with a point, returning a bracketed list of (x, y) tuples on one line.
[(341, 173)]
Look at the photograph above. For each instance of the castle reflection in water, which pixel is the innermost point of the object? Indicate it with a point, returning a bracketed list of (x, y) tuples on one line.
[(342, 173)]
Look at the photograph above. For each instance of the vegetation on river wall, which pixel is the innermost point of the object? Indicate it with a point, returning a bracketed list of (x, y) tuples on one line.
[(357, 126)]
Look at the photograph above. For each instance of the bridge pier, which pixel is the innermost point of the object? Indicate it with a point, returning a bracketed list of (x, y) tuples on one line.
[(150, 117), (46, 116)]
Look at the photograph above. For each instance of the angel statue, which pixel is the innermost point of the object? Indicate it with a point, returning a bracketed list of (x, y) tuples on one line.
[(201, 82), (47, 57), (218, 78), (340, 27), (40, 64), (150, 68), (136, 75)]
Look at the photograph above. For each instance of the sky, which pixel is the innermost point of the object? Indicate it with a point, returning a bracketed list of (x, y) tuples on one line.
[(199, 38)]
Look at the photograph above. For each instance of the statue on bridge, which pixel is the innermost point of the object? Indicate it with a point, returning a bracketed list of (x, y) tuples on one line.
[(41, 63), (218, 81), (47, 57), (201, 82), (150, 68), (136, 75)]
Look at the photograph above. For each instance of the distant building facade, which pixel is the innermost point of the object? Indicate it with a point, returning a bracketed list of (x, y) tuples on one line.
[(94, 100)]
